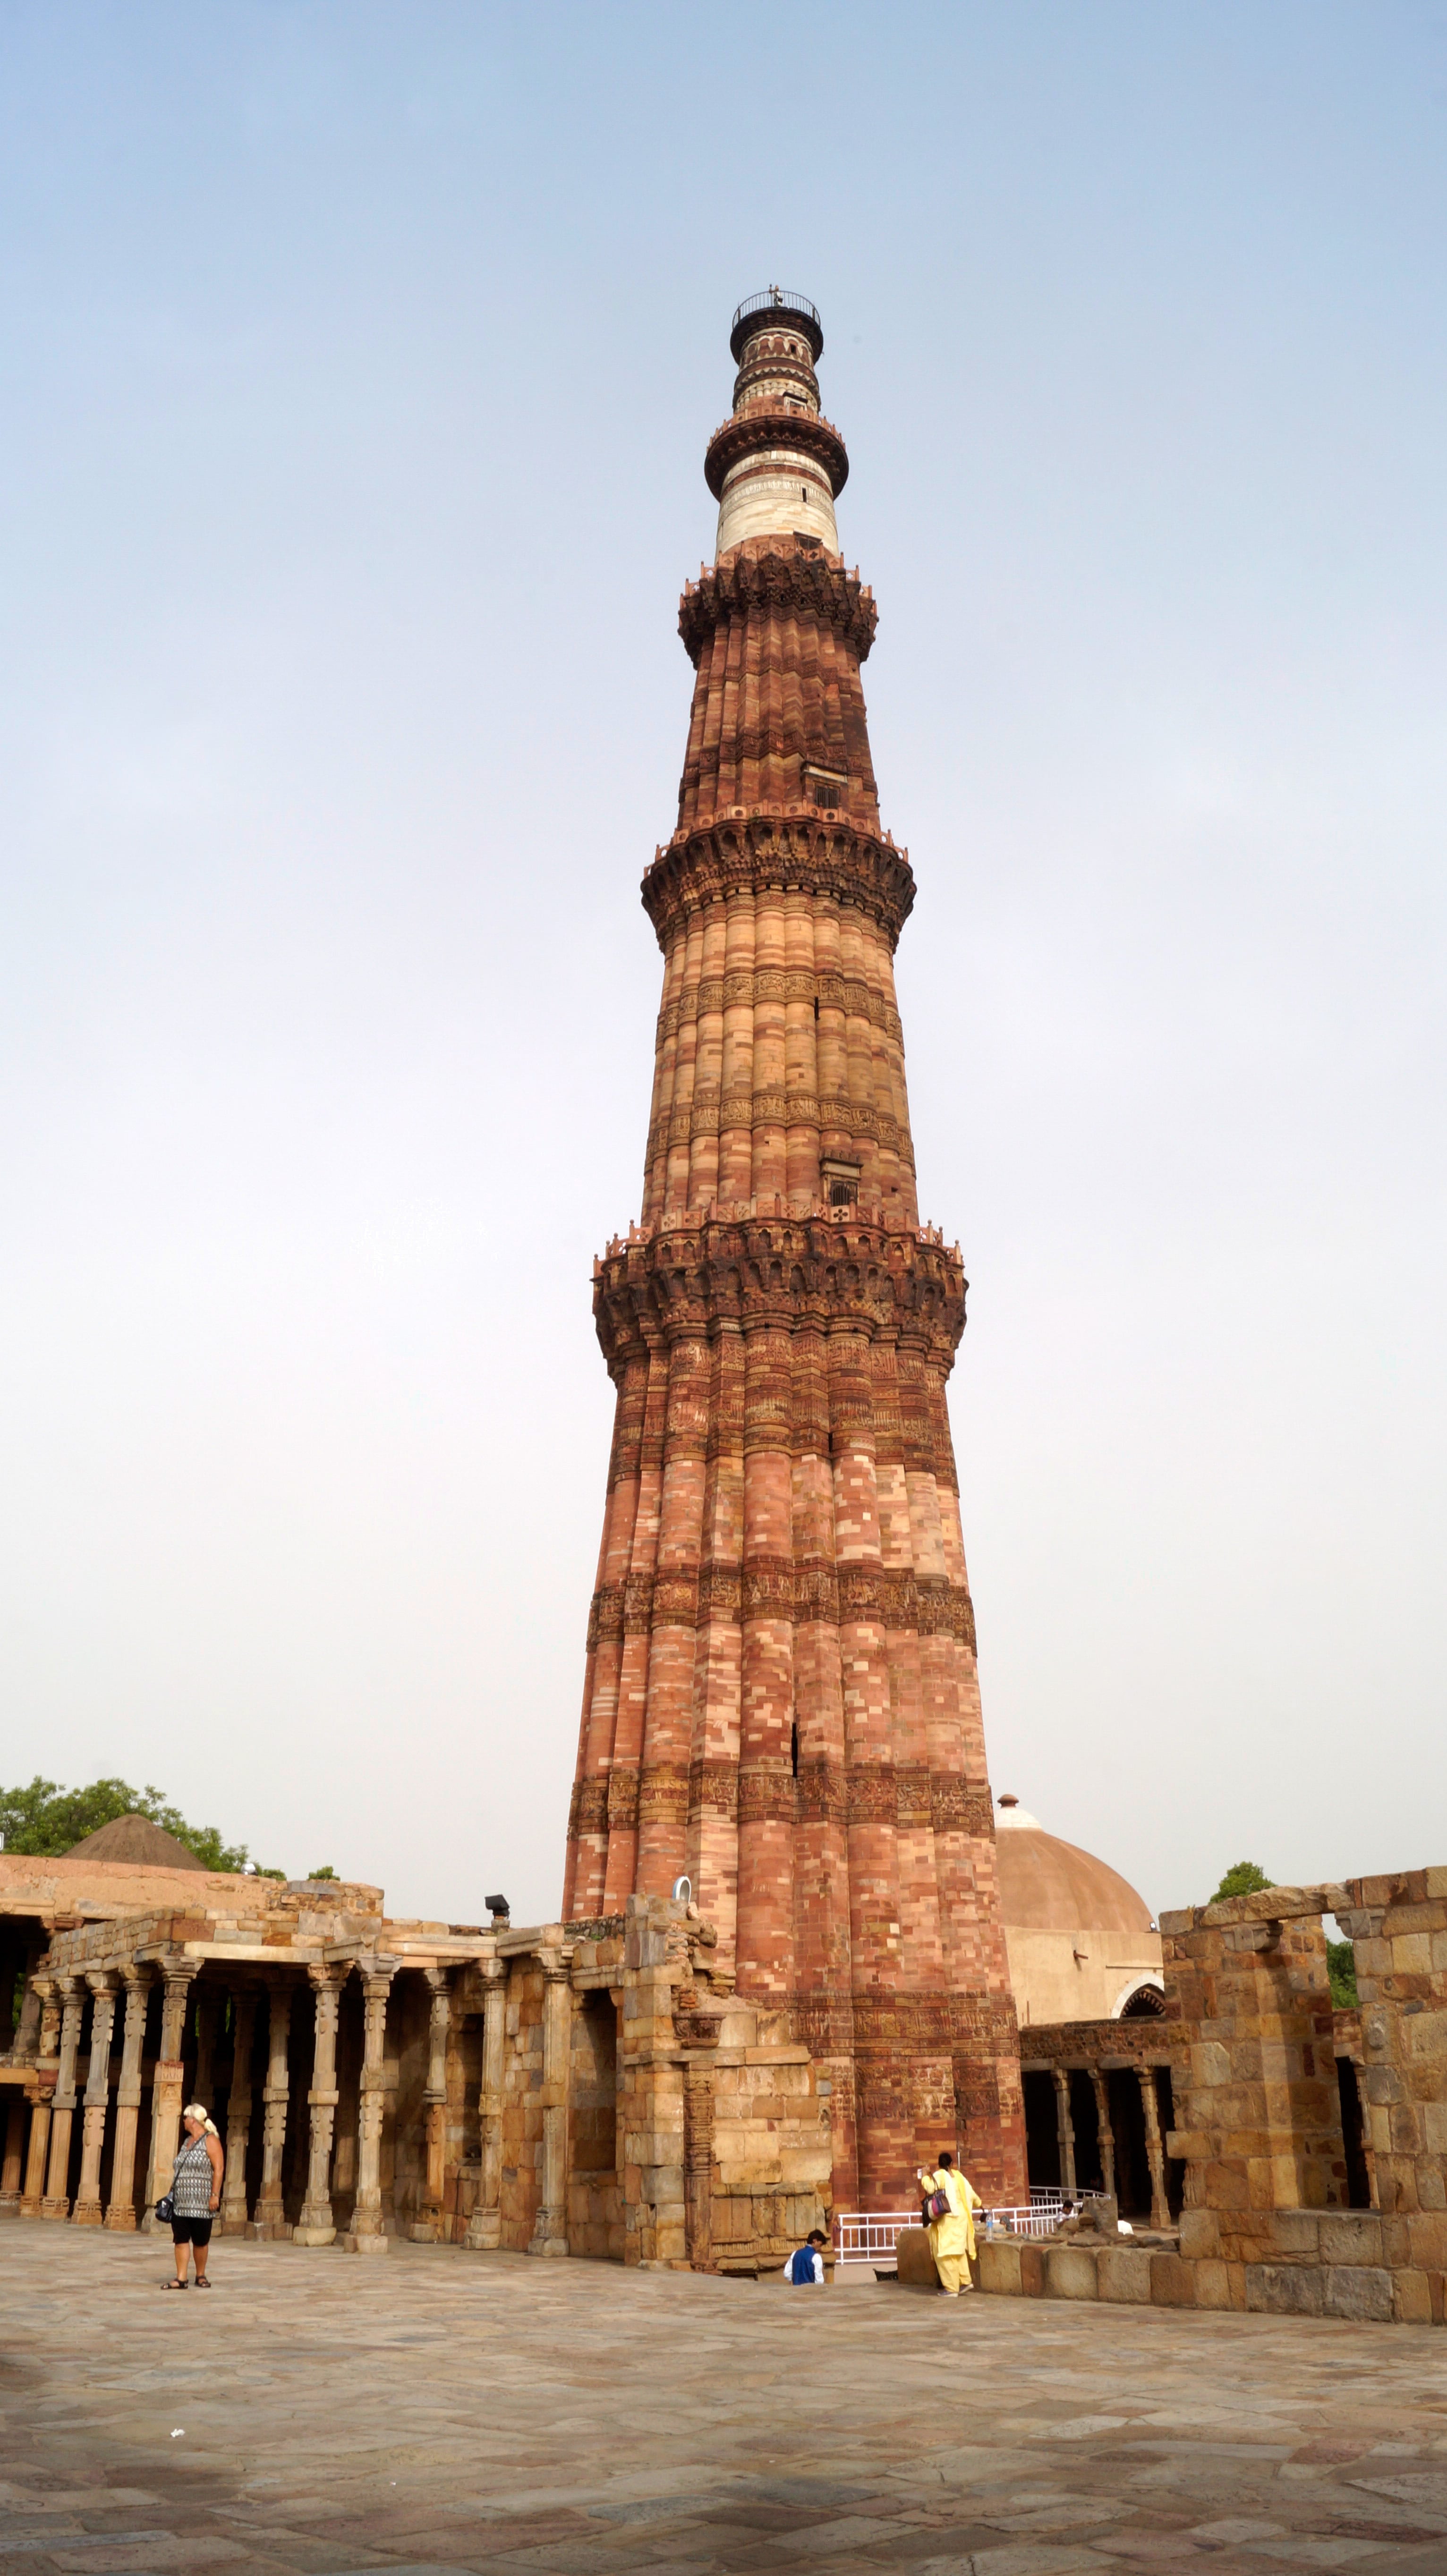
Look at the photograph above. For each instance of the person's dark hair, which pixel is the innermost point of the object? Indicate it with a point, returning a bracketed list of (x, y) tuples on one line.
[(947, 2158), (817, 2236)]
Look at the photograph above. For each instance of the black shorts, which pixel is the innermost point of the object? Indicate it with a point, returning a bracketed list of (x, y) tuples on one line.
[(192, 2231)]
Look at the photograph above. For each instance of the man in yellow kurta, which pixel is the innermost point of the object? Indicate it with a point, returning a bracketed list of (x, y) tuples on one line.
[(952, 2239)]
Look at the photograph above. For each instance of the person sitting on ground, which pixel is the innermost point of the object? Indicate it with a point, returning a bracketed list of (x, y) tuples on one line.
[(808, 2264), (195, 2193), (952, 2236)]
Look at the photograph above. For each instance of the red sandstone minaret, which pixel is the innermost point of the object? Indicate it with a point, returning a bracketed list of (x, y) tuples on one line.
[(781, 1698)]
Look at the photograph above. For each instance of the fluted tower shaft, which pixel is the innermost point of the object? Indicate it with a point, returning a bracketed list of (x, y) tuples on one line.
[(781, 1698)]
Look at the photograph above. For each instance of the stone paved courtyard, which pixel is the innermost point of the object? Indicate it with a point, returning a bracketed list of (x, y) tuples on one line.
[(440, 2411)]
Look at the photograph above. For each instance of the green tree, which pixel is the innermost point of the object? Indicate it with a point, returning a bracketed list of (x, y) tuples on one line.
[(327, 1872), (1243, 1878), (46, 1820), (1341, 1968)]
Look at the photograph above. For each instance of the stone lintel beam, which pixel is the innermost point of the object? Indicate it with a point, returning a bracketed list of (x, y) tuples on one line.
[(1265, 1905)]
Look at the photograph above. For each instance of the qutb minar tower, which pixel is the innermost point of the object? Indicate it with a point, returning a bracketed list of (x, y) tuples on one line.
[(781, 1699)]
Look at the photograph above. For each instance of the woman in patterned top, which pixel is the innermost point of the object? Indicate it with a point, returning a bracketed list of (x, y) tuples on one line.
[(195, 2193)]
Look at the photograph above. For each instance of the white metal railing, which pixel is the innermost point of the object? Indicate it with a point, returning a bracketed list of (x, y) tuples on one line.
[(1040, 2219), (868, 2239)]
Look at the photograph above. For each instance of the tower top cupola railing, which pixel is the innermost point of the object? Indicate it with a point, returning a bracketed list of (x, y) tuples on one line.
[(777, 304)]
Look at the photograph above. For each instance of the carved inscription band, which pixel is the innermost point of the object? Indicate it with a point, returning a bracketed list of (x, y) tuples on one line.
[(904, 1795), (711, 1113), (778, 984), (780, 1590)]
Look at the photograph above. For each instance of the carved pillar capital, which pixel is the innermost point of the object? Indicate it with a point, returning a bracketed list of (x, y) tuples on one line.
[(180, 1975)]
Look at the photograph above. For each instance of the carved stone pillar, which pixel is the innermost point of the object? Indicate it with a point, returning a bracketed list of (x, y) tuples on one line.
[(270, 2219), (428, 2226), (168, 2084), (484, 2231), (27, 2032), (550, 2228), (121, 2207), (231, 2219), (1155, 2150), (14, 2150), (698, 2033), (56, 2203), (365, 2235), (88, 2211), (1106, 2134), (1064, 2130), (316, 2225), (40, 2095)]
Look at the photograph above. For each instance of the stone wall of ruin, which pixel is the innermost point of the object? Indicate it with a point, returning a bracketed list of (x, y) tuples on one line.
[(1256, 2051)]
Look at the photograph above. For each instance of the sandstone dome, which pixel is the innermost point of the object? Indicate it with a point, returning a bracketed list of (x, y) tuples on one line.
[(1081, 1943), (1050, 1886)]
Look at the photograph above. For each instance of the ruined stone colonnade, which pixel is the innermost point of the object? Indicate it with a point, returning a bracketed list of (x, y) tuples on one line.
[(93, 2124), (586, 2088)]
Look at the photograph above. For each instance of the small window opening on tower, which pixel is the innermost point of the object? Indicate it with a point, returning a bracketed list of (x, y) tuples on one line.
[(794, 1748), (825, 787), (841, 1182), (803, 491)]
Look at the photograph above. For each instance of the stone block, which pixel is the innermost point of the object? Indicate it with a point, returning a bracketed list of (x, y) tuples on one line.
[(1173, 2282), (1214, 2285), (1350, 2236), (1358, 2290), (1032, 2272), (1124, 2276), (1224, 2185), (1412, 1917), (1411, 2298), (916, 2268), (1427, 2241), (1200, 2234), (1192, 2145), (1286, 2289), (1000, 2268), (1070, 2272), (1296, 2231), (1426, 2034)]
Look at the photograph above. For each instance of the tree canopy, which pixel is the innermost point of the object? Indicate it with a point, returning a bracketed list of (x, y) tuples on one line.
[(46, 1820), (1243, 1878)]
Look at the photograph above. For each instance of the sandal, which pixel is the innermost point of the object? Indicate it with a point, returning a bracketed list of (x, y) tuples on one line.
[(173, 2285), (201, 2281)]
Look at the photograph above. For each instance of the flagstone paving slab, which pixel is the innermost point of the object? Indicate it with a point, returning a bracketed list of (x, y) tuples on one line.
[(447, 2414)]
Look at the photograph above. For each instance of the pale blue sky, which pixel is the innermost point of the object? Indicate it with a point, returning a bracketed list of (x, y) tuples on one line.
[(357, 365)]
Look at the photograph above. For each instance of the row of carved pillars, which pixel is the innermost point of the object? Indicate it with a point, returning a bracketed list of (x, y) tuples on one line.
[(34, 2177), (1155, 2143), (34, 2173)]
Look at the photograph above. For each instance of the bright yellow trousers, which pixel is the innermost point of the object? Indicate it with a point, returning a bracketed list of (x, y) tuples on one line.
[(954, 2272)]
